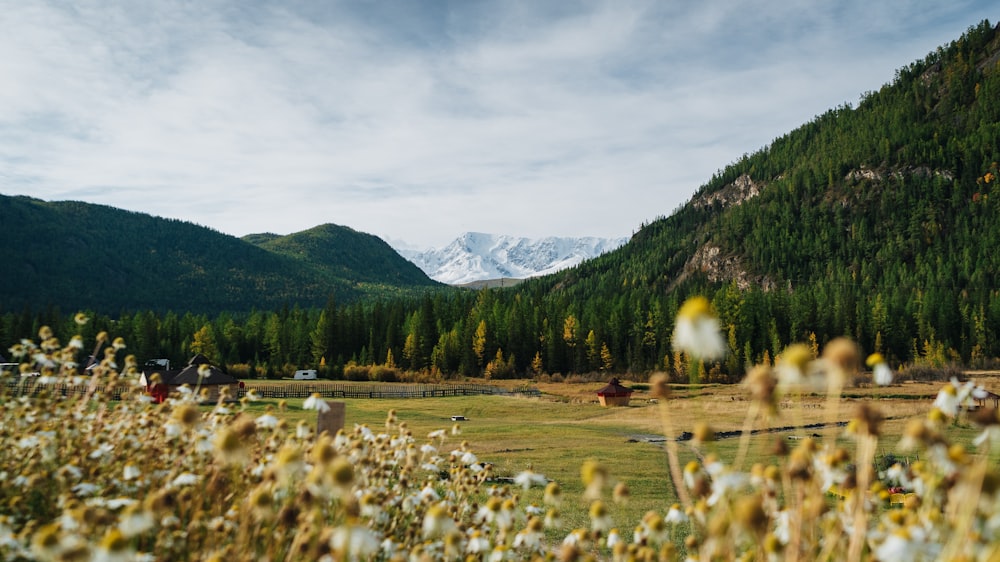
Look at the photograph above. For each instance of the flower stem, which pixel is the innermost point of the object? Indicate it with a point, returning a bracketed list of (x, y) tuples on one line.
[(672, 457)]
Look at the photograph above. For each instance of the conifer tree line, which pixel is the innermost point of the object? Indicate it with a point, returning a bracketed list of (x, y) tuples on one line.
[(880, 223), (508, 334)]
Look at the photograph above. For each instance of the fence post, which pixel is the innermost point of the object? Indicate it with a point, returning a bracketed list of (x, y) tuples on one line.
[(332, 420)]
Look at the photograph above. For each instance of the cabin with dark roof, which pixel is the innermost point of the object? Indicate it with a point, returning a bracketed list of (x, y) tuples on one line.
[(160, 383)]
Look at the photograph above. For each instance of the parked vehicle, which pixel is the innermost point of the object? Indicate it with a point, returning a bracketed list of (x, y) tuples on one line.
[(305, 375)]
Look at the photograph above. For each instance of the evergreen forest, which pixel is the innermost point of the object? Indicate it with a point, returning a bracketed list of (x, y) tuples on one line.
[(877, 221)]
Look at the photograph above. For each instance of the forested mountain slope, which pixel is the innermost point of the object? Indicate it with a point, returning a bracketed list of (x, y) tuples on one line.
[(341, 252), (879, 222), (83, 256)]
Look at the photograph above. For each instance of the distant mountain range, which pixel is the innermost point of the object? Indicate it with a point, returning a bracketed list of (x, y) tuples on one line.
[(78, 255), (475, 256)]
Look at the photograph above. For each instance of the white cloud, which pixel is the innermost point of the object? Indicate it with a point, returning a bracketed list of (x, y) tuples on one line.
[(421, 120)]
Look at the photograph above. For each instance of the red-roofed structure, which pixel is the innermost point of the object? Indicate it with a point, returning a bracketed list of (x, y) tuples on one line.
[(614, 394)]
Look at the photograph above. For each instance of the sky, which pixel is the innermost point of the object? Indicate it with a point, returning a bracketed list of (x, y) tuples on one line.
[(419, 120)]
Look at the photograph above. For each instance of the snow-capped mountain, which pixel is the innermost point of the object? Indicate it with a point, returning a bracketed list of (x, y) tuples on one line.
[(475, 256)]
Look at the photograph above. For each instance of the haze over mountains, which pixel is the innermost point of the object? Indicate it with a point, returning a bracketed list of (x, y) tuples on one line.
[(476, 256)]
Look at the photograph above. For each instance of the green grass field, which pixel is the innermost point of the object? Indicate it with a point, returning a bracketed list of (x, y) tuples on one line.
[(555, 434)]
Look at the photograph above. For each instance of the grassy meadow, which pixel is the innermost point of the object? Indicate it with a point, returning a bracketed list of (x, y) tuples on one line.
[(132, 480), (556, 433)]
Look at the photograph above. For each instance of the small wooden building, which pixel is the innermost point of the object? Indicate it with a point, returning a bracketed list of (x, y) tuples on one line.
[(614, 394)]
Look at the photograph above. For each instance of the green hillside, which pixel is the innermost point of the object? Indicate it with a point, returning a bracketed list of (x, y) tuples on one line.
[(83, 256), (343, 253), (879, 222)]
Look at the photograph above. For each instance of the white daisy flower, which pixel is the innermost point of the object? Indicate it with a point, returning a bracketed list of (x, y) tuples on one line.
[(429, 494), (530, 478), (477, 543), (356, 541), (898, 546), (267, 421), (85, 489), (726, 483), (316, 402), (947, 400), (119, 503), (676, 515), (697, 331), (184, 479), (437, 522), (135, 522), (131, 472), (882, 374)]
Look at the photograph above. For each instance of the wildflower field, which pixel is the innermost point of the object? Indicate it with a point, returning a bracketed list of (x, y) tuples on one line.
[(790, 465)]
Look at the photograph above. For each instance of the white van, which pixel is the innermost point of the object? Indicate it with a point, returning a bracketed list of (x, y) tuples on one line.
[(305, 375)]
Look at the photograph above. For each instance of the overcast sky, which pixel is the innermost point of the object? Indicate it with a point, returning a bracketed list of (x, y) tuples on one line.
[(420, 120)]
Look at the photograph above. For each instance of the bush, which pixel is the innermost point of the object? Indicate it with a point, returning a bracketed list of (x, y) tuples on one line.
[(381, 373), (931, 374), (356, 373), (421, 377), (242, 371)]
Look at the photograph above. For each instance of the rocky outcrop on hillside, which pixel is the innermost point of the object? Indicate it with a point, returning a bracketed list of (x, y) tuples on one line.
[(877, 175), (736, 193), (723, 268)]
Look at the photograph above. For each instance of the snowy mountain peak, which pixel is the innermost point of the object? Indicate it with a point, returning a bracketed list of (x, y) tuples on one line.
[(476, 256)]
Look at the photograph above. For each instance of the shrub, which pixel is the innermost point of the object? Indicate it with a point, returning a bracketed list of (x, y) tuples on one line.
[(356, 373), (422, 377), (242, 371), (932, 374), (381, 373)]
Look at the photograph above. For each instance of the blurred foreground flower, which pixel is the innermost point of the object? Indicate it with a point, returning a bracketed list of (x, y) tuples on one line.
[(124, 482), (881, 372), (316, 402), (697, 330)]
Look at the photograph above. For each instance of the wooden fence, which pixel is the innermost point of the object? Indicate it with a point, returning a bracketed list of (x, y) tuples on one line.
[(297, 390), (31, 388), (382, 390)]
